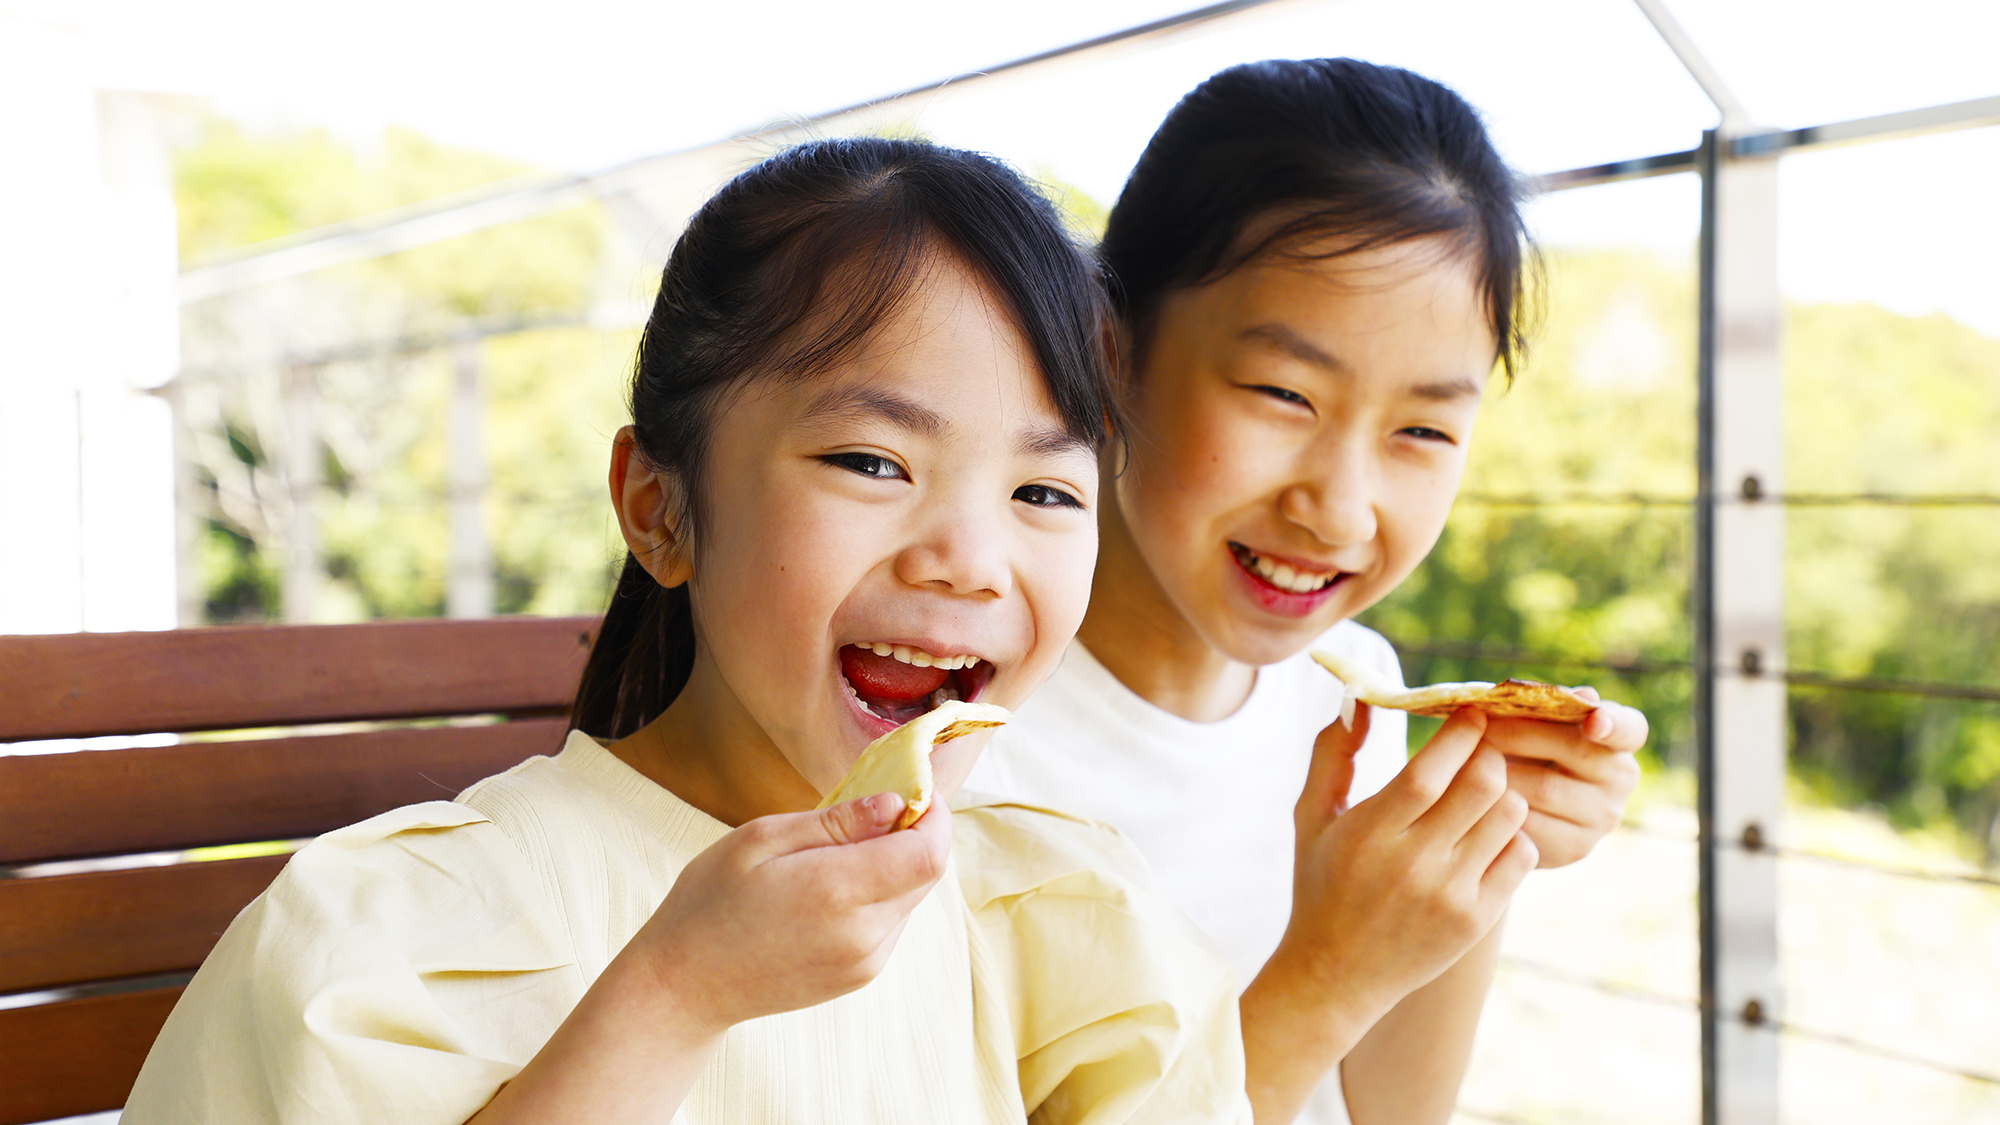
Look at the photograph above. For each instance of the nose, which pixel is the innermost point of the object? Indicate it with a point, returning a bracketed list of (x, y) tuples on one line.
[(1334, 493), (959, 550)]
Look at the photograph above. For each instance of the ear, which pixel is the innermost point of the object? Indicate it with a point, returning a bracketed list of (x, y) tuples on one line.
[(1116, 341), (648, 503)]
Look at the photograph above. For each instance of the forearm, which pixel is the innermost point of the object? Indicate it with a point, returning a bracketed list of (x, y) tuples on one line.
[(1406, 1069), (628, 1053), (1298, 1023)]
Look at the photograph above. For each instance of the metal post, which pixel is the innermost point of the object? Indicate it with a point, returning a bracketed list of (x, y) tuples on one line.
[(1739, 659), (469, 581), (304, 473)]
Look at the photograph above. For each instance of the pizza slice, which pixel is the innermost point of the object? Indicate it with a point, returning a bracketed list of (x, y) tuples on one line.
[(1512, 699), (900, 761)]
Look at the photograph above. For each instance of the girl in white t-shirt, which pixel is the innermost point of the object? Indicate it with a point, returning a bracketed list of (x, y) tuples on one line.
[(1318, 264), (861, 479)]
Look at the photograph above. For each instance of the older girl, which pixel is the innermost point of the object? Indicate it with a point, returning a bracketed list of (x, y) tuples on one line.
[(861, 477), (1319, 263)]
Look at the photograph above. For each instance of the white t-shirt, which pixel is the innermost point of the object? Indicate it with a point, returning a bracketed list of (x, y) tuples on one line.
[(1208, 804)]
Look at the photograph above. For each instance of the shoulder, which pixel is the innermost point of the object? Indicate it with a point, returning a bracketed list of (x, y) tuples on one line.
[(432, 874), (1010, 848), (1121, 1011)]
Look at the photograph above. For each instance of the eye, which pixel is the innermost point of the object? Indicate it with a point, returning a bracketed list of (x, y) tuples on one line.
[(1281, 394), (1045, 496), (867, 465), (1425, 433)]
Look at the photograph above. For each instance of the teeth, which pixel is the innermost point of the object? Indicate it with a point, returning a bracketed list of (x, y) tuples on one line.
[(1281, 575), (918, 657)]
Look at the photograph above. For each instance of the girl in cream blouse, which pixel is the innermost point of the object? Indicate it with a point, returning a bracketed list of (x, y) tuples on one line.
[(861, 479)]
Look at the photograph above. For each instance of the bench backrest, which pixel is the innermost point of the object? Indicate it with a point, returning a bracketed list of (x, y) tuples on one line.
[(91, 961)]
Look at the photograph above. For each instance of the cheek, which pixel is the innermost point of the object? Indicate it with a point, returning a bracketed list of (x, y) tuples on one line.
[(1066, 589), (1413, 523), (752, 570), (1208, 469)]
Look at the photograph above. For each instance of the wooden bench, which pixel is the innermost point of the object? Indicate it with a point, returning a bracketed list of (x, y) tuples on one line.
[(91, 961)]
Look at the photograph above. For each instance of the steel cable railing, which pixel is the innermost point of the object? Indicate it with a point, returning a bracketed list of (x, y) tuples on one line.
[(1688, 1004), (1645, 666)]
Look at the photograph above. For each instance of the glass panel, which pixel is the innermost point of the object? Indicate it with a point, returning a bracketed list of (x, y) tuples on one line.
[(1892, 403), (1795, 62)]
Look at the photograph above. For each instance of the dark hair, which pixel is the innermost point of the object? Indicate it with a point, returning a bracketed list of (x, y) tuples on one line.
[(783, 274), (1362, 154)]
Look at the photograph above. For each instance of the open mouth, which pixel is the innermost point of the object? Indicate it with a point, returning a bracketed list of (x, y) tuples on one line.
[(1284, 576), (897, 683)]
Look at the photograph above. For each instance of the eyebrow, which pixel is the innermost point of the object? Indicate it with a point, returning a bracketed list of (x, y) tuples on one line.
[(846, 404), (1305, 351), (1052, 442)]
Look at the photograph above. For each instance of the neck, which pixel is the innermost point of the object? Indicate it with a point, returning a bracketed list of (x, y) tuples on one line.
[(1137, 633), (706, 750)]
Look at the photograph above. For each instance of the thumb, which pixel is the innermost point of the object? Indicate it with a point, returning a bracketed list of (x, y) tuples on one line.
[(850, 822), (1332, 772)]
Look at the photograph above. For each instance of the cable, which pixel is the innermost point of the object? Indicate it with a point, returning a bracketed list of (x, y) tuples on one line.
[(1899, 871), (1883, 868), (1790, 499), (1975, 692), (1493, 1116), (1865, 1048), (1457, 650), (1860, 1046), (1598, 984), (1642, 666)]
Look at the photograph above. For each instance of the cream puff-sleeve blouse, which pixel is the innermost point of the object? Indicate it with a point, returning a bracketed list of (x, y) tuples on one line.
[(402, 969)]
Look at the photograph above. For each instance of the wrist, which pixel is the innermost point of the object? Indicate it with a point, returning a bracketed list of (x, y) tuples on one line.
[(666, 984), (1320, 982)]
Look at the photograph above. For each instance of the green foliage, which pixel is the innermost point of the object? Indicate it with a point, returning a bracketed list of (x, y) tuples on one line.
[(552, 394), (233, 190)]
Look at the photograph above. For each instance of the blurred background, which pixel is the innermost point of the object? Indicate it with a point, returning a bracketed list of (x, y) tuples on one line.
[(320, 315)]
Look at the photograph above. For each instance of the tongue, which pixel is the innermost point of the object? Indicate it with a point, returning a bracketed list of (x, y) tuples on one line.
[(884, 679)]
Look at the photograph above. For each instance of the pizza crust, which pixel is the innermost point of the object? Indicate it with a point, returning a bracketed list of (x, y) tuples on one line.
[(1511, 699), (900, 761)]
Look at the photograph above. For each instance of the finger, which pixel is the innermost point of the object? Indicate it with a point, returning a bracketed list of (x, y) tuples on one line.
[(767, 838), (1432, 769), (1483, 842), (1479, 785), (1560, 842), (1505, 873), (1553, 792), (1567, 746), (890, 866), (1588, 693), (1331, 774), (850, 822), (1616, 727)]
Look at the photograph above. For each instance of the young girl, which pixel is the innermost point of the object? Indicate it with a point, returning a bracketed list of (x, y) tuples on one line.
[(861, 477), (1318, 264)]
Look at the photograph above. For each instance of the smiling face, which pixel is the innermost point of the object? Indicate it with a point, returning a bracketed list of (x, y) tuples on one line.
[(914, 524), (1299, 432)]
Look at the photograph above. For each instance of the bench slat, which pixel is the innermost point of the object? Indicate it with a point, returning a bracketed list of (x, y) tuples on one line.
[(81, 684), (166, 798), (68, 929), (78, 1056)]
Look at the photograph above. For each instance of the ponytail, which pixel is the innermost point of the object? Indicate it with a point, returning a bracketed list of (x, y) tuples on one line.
[(641, 659)]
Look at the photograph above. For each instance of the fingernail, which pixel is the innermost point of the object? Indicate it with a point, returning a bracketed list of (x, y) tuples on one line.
[(883, 807)]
